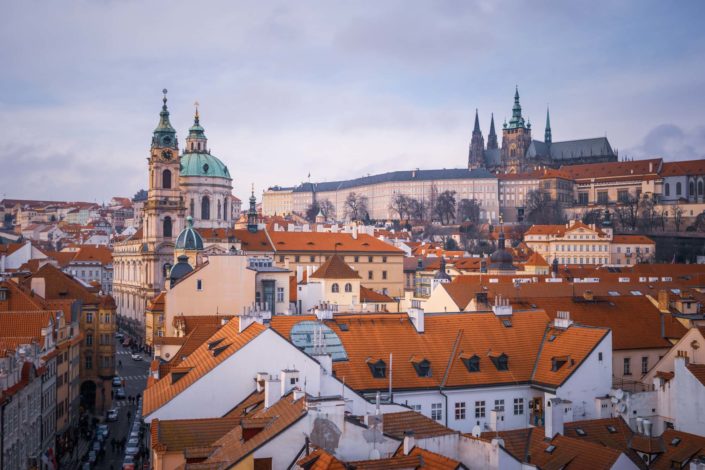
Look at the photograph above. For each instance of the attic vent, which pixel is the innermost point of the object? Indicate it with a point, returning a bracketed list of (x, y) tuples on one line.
[(215, 343), (279, 243), (365, 244), (217, 351), (550, 449), (310, 243), (611, 429)]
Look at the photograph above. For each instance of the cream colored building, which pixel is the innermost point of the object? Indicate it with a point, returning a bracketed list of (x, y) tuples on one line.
[(632, 249), (380, 190)]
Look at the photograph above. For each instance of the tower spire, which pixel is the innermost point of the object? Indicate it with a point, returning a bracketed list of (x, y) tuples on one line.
[(547, 136), (165, 134), (517, 120), (252, 212), (477, 123), (492, 136), (476, 156), (196, 142)]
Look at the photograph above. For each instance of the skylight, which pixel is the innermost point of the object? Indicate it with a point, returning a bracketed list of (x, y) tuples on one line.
[(636, 292), (611, 429), (580, 432), (303, 335), (507, 323), (675, 441), (550, 449), (614, 293)]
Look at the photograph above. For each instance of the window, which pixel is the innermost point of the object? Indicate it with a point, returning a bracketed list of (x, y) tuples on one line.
[(480, 409), (691, 188), (89, 339), (460, 410), (219, 210), (205, 208), (89, 362), (423, 368), (348, 287), (312, 259), (370, 275), (166, 179), (378, 369), (678, 189), (627, 366), (602, 197), (384, 259), (700, 188), (384, 274), (518, 406), (599, 356), (167, 227), (667, 189), (583, 199), (416, 408), (199, 284), (335, 288), (437, 411), (644, 364), (357, 259), (501, 362), (280, 294), (297, 259), (281, 258), (225, 209), (623, 195), (499, 406), (89, 317)]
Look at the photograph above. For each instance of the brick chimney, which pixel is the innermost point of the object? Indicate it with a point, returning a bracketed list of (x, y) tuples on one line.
[(663, 300)]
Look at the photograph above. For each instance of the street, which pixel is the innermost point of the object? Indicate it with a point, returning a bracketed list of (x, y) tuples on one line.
[(134, 374)]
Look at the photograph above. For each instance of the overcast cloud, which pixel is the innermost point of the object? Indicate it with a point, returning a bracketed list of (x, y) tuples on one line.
[(337, 89)]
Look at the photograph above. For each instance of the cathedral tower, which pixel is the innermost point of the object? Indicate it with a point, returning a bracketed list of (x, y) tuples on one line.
[(492, 136), (516, 138), (547, 135), (164, 208), (476, 158)]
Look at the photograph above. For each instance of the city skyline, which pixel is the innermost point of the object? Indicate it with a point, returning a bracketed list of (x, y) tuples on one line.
[(337, 91)]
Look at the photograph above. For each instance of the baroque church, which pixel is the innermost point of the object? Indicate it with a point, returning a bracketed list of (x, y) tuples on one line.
[(194, 187), (520, 153)]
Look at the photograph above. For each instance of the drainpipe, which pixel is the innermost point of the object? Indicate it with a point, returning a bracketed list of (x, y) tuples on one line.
[(445, 405)]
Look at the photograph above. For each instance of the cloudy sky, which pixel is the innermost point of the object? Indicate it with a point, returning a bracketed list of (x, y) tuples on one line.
[(337, 89)]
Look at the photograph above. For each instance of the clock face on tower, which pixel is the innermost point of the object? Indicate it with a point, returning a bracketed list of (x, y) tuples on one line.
[(166, 154)]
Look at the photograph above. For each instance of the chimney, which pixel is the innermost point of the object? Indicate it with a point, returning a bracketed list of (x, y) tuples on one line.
[(260, 379), (562, 320), (554, 417), (39, 286), (640, 425), (663, 301), (289, 379), (272, 391), (417, 317), (409, 442), (502, 307), (299, 273), (354, 232), (326, 362), (651, 167), (245, 321)]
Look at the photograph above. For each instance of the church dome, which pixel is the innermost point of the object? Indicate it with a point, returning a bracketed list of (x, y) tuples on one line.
[(180, 269), (203, 164), (189, 238)]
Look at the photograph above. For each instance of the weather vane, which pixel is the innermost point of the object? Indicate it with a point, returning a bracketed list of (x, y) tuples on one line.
[(196, 104)]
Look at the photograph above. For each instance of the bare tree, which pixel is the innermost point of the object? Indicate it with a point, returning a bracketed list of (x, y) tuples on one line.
[(430, 204), (468, 211), (400, 205), (355, 206), (592, 216), (628, 212), (647, 215), (416, 209), (541, 209), (677, 217), (699, 224), (445, 206)]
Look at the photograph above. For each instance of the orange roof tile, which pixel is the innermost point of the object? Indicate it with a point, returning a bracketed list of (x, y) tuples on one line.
[(612, 170), (371, 296), (25, 324), (321, 242), (202, 361), (94, 253), (249, 241), (179, 434), (609, 432), (684, 168), (560, 230), (633, 239), (396, 424), (536, 260), (335, 268), (698, 371)]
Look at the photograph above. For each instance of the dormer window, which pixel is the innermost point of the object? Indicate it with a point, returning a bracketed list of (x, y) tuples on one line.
[(501, 362), (472, 363), (378, 369), (423, 368), (558, 362)]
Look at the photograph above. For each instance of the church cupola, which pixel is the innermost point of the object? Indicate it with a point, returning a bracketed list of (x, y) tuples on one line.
[(517, 121), (164, 135), (252, 213), (196, 142), (547, 136)]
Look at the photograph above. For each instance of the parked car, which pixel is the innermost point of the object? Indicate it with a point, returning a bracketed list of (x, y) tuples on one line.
[(132, 449), (117, 381), (104, 430), (96, 446), (92, 456), (120, 394), (136, 357), (119, 336), (112, 415)]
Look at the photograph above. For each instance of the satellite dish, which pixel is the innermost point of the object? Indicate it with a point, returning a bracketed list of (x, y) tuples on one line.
[(476, 431), (619, 393), (622, 407)]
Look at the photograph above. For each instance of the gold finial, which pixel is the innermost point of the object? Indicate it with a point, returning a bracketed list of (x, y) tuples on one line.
[(196, 105)]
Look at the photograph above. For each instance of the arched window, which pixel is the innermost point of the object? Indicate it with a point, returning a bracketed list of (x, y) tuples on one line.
[(205, 208), (225, 209), (166, 179), (335, 288), (668, 189), (192, 209), (700, 188), (678, 189), (219, 214), (692, 189), (348, 287), (167, 227)]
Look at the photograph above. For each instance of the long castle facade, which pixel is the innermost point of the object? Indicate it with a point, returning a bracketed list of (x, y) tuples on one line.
[(520, 153)]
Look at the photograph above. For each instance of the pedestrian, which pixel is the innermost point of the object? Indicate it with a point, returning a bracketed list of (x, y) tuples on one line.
[(129, 415), (112, 443), (119, 364)]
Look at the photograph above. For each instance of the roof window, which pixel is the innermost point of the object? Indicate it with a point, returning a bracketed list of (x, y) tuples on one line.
[(557, 363), (580, 432), (344, 327), (611, 429), (217, 351), (501, 362), (423, 368), (507, 323), (472, 363), (614, 293), (636, 292), (215, 343), (378, 369), (675, 441), (550, 449)]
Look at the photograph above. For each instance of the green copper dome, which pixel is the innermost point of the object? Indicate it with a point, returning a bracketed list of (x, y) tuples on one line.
[(203, 164), (189, 238)]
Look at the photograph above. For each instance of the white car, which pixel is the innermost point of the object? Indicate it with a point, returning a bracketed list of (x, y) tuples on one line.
[(112, 415), (136, 357)]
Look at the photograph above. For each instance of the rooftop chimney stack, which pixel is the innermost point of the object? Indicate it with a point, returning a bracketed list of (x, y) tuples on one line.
[(562, 320), (272, 391), (417, 317), (663, 301), (409, 442), (554, 417), (289, 379)]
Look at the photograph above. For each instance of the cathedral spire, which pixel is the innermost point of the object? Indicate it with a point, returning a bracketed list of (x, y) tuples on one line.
[(477, 123), (547, 136), (476, 156), (492, 136), (517, 120), (164, 135)]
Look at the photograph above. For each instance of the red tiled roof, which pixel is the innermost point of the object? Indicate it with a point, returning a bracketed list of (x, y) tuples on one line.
[(371, 296), (698, 371), (633, 239), (610, 170), (335, 268), (561, 229), (329, 242), (684, 168)]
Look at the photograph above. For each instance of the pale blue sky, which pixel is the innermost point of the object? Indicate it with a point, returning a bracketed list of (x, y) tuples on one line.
[(338, 89)]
